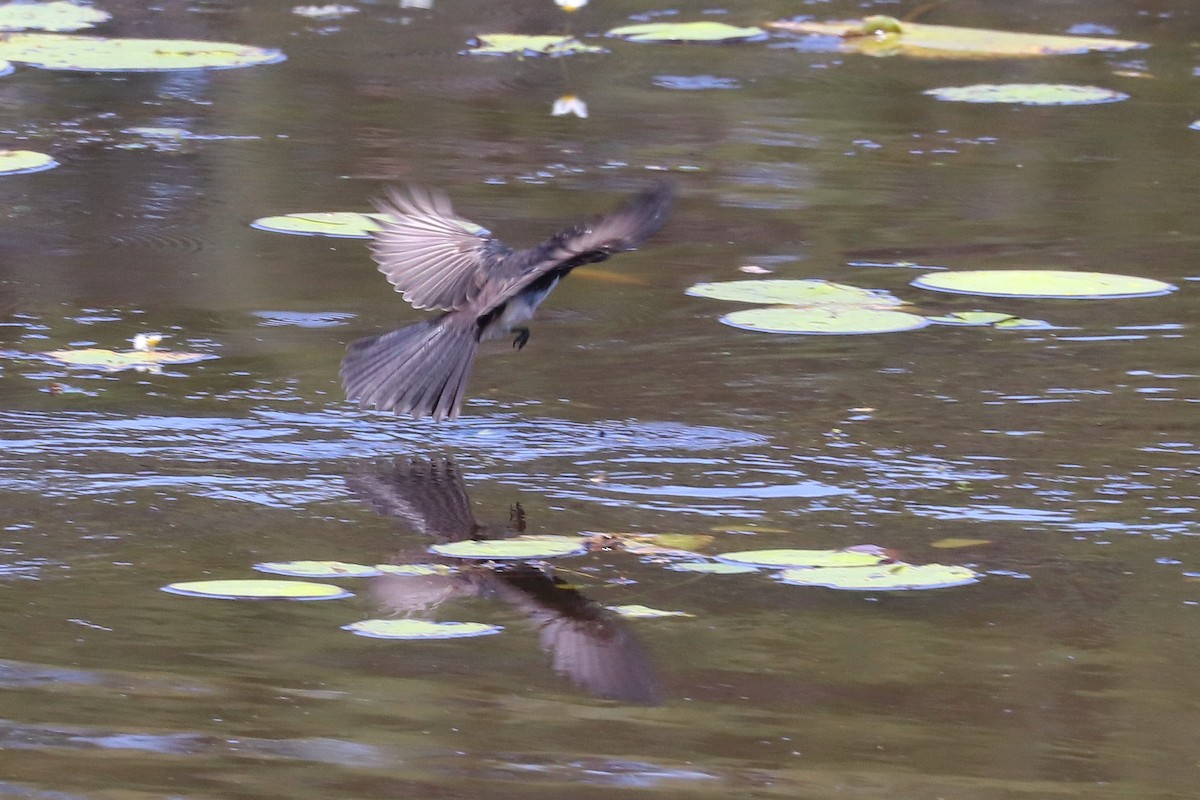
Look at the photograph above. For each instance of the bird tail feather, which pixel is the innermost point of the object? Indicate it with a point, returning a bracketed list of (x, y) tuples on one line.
[(420, 370)]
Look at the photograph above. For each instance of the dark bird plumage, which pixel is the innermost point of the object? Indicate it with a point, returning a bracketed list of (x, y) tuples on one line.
[(484, 288)]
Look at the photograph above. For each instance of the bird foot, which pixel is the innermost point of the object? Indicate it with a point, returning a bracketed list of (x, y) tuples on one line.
[(522, 338)]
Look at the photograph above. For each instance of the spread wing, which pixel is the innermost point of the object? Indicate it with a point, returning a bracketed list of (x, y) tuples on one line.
[(428, 253), (622, 229)]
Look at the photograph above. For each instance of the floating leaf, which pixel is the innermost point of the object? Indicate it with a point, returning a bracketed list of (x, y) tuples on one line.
[(891, 577), (504, 44), (419, 629), (804, 558), (317, 569), (339, 224), (687, 32), (258, 590), (663, 544), (873, 36), (794, 292), (414, 570), (1028, 94), (56, 16), (114, 361), (713, 568), (1043, 283), (17, 161), (646, 612), (823, 321), (994, 319), (516, 548), (947, 544), (99, 54)]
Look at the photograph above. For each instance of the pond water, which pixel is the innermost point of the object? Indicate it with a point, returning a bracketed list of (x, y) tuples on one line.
[(1068, 456)]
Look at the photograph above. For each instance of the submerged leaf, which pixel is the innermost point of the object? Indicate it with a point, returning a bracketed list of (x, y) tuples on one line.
[(99, 54), (420, 629), (891, 577), (805, 558), (55, 16), (1028, 94), (712, 568), (823, 321), (1043, 283), (114, 361), (258, 590), (504, 44), (646, 612), (873, 37), (687, 32), (950, 543), (516, 548), (794, 292), (318, 569), (13, 162)]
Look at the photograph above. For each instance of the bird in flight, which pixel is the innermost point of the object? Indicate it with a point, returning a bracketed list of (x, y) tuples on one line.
[(484, 288)]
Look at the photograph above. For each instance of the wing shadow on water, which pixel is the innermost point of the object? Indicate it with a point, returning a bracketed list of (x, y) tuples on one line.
[(588, 644)]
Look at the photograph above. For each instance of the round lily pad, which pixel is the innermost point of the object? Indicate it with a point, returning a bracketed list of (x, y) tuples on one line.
[(803, 558), (419, 629), (1043, 283), (114, 361), (317, 569), (687, 32), (712, 568), (340, 224), (56, 16), (890, 577), (258, 590), (1028, 94), (13, 162), (823, 321), (517, 548), (99, 54), (414, 570), (646, 612), (794, 292), (504, 44)]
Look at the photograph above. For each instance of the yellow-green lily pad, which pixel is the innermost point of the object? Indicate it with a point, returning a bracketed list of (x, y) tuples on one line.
[(823, 321), (794, 292), (1043, 284), (317, 569), (13, 162), (864, 557), (415, 570), (99, 54), (116, 360), (713, 568), (706, 31), (420, 629), (258, 590), (646, 612), (889, 577), (516, 548), (952, 542), (878, 36), (1028, 94), (508, 44), (338, 224), (56, 16)]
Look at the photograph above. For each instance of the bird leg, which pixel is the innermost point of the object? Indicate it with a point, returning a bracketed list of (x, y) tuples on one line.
[(522, 337)]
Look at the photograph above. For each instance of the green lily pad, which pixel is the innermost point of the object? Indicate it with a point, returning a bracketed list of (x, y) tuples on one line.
[(890, 577), (13, 162), (805, 558), (420, 629), (823, 321), (338, 224), (646, 612), (508, 44), (1028, 94), (993, 319), (317, 569), (56, 16), (516, 548), (713, 568), (414, 570), (687, 32), (114, 360), (794, 292), (885, 36), (1043, 283), (99, 54), (258, 590), (951, 543)]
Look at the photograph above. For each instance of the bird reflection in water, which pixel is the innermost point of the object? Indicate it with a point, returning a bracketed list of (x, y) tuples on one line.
[(588, 644)]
